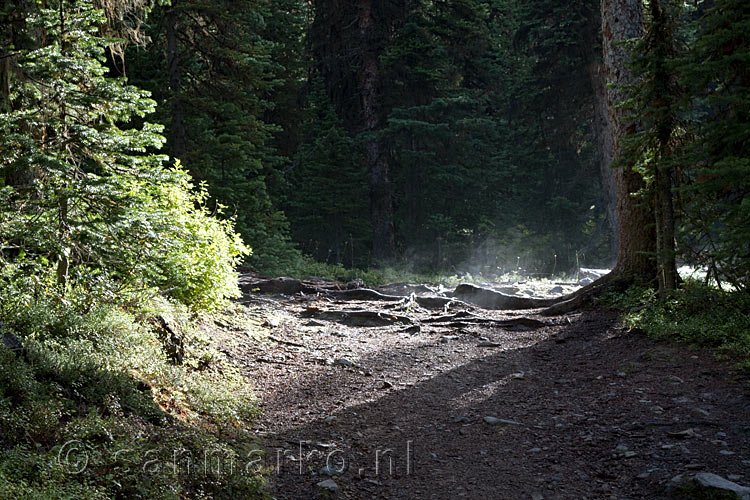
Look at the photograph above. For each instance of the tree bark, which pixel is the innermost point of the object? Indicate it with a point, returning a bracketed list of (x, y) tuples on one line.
[(603, 136), (381, 203), (623, 20), (177, 127)]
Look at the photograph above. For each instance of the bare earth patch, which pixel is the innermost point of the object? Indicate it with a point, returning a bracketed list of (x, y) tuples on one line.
[(571, 408)]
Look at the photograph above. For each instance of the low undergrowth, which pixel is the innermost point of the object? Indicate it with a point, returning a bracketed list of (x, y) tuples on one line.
[(93, 407), (696, 314)]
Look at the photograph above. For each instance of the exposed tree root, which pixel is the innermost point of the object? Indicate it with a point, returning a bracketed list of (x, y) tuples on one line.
[(585, 296), (490, 299)]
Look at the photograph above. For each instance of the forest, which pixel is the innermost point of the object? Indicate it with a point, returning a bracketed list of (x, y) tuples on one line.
[(193, 193)]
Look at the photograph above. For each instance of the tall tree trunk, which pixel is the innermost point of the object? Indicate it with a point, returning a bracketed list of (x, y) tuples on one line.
[(623, 20), (381, 203), (177, 127), (604, 142)]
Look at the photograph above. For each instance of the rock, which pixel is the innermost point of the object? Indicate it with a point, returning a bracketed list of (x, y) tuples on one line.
[(709, 481), (328, 485), (557, 289), (462, 420), (585, 281), (343, 362), (495, 421), (12, 342), (537, 496), (387, 385), (330, 470), (354, 284), (726, 452)]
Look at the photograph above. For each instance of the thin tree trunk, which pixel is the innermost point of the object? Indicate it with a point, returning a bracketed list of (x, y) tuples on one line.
[(381, 204), (623, 20), (177, 128)]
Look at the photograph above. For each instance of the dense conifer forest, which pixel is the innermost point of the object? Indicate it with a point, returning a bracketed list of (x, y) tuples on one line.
[(154, 151)]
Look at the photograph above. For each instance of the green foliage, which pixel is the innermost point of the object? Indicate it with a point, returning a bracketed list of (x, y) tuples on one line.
[(716, 227), (226, 71), (489, 143), (696, 314), (84, 194), (328, 188), (94, 409)]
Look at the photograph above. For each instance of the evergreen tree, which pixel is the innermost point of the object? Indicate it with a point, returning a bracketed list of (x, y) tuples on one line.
[(99, 206), (715, 194), (214, 89), (328, 189)]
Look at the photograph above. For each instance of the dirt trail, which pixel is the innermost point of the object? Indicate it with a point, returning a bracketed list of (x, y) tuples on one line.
[(571, 408)]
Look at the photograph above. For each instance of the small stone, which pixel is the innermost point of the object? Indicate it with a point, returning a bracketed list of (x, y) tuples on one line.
[(621, 448), (537, 496), (328, 485), (695, 466), (557, 289), (518, 376), (622, 374), (495, 421), (630, 454), (687, 433), (329, 419), (387, 385), (330, 470), (462, 420), (585, 281), (675, 379), (563, 381), (726, 452), (535, 450), (343, 362)]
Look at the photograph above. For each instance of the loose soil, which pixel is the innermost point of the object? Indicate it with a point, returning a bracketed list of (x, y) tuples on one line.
[(582, 408)]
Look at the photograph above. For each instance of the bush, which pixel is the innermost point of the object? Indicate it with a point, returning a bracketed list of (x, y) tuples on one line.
[(696, 314)]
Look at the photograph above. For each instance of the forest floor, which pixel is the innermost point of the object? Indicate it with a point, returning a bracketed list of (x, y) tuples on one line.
[(461, 403)]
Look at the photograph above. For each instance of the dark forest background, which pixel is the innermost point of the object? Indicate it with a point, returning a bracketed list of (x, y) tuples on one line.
[(483, 111)]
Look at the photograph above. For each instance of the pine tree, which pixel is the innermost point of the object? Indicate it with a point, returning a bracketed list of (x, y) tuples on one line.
[(716, 193), (216, 83), (100, 206)]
